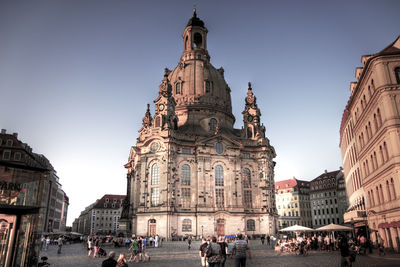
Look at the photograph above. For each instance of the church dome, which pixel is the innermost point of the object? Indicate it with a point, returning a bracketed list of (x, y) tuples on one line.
[(197, 86), (195, 21)]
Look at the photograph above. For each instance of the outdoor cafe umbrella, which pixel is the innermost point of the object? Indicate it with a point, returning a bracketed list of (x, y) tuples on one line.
[(296, 228), (334, 227)]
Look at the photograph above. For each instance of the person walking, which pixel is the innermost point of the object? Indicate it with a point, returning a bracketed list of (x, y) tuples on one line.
[(268, 240), (59, 243), (134, 250), (90, 246), (239, 251), (214, 253), (189, 240), (224, 250), (110, 261), (203, 252), (344, 252), (96, 246), (47, 242), (262, 239)]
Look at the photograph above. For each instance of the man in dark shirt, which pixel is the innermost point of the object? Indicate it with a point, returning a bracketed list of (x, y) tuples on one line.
[(344, 252), (110, 262)]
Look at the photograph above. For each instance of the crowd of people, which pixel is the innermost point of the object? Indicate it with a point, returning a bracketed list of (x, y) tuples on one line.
[(214, 253)]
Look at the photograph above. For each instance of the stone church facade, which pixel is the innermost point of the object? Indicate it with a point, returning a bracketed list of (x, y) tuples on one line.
[(191, 172)]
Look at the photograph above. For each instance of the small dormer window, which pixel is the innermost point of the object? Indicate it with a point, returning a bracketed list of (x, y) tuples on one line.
[(105, 205), (9, 142), (107, 200), (6, 154), (17, 156)]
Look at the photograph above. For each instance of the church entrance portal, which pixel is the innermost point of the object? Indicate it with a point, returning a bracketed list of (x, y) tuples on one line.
[(220, 227), (152, 227)]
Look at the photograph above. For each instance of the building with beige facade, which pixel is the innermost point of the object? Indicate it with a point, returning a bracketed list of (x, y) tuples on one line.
[(293, 203), (101, 217), (191, 172), (370, 143), (328, 198)]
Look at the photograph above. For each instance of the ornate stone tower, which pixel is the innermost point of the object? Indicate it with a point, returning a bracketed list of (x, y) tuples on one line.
[(191, 172)]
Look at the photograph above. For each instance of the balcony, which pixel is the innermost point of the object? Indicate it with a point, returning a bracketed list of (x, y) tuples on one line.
[(355, 216)]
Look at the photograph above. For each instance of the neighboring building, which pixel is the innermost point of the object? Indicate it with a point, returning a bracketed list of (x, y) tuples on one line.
[(293, 203), (191, 172), (101, 217), (370, 143), (23, 201), (56, 207), (83, 222), (328, 198), (105, 214)]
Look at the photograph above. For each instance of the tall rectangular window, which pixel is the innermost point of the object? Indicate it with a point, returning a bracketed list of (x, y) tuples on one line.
[(155, 196), (248, 199), (185, 197), (219, 197)]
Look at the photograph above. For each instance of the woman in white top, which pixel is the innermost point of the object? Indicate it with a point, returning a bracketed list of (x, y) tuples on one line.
[(90, 246)]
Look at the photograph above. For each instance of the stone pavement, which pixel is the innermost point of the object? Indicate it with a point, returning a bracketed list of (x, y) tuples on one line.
[(177, 254)]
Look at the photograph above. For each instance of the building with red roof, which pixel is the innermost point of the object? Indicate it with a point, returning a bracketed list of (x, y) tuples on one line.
[(293, 203)]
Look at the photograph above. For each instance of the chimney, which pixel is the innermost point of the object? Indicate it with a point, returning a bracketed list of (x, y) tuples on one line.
[(15, 135), (326, 171), (3, 131)]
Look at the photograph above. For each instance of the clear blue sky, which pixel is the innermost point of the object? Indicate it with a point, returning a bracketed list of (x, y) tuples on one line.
[(75, 76)]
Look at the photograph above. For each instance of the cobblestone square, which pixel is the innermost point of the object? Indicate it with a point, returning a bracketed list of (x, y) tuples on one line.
[(177, 254)]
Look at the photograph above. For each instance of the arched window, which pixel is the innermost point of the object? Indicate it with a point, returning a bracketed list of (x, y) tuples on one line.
[(251, 225), (213, 124), (197, 40), (385, 149), (178, 90), (388, 191), (382, 198), (397, 74), (379, 117), (246, 178), (249, 132), (207, 85), (185, 176), (377, 195), (392, 186), (186, 43), (155, 174), (372, 197), (219, 176), (186, 225), (219, 148)]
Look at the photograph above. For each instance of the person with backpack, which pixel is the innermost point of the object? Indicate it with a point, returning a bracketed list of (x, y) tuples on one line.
[(214, 253), (239, 251)]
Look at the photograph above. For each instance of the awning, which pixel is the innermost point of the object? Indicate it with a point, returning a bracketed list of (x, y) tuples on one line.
[(395, 224), (384, 225)]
